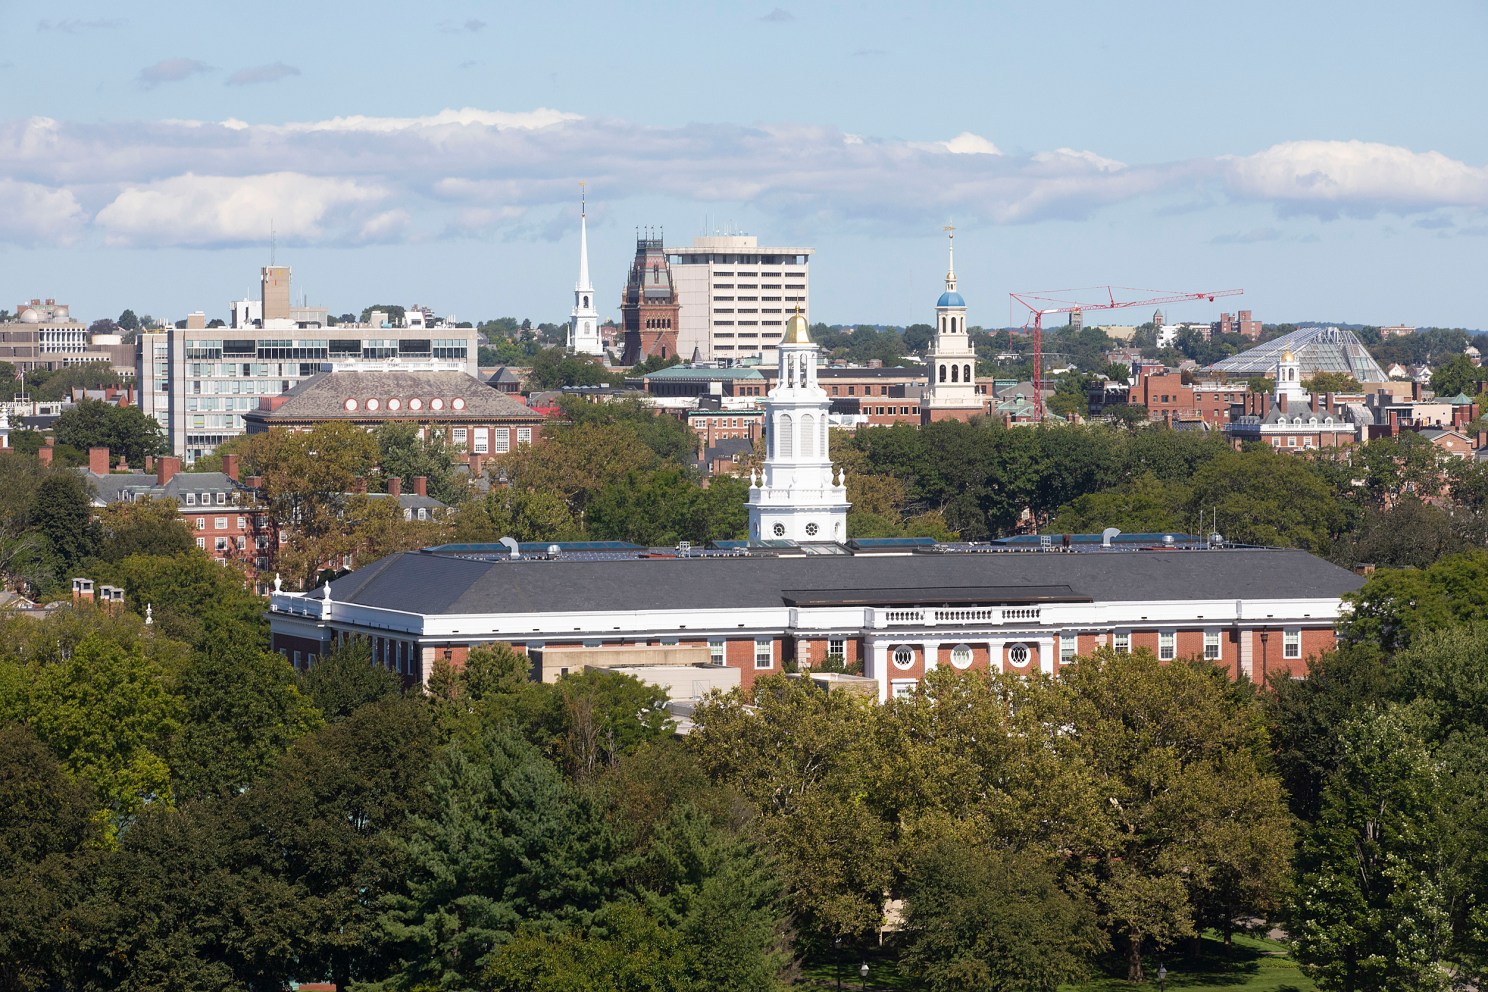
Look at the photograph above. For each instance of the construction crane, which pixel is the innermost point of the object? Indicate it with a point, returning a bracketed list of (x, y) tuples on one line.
[(1035, 321)]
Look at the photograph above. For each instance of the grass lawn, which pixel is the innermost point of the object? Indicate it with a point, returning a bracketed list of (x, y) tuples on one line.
[(1252, 965)]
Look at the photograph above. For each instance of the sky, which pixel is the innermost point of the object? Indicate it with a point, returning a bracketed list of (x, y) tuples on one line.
[(1330, 158)]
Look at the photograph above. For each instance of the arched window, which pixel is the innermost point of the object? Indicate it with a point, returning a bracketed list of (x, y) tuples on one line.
[(968, 374), (808, 436), (586, 301), (955, 373), (942, 373), (787, 436)]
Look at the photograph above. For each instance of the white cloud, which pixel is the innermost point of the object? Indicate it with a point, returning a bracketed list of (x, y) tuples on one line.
[(32, 214), (228, 210), (346, 180), (1356, 177), (967, 143)]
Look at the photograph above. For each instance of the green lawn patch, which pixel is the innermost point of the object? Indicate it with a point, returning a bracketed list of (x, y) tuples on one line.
[(1253, 964)]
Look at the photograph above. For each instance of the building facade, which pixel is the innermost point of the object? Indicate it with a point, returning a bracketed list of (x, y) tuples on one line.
[(735, 296), (1252, 611), (44, 335), (649, 309), (797, 496)]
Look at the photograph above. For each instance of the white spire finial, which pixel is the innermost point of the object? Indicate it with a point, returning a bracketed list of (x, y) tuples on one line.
[(950, 230), (584, 285)]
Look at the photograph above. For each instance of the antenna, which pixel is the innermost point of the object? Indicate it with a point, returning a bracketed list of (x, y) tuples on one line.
[(273, 244), (583, 200)]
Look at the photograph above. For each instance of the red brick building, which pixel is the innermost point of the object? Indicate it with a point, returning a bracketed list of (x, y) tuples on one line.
[(649, 309)]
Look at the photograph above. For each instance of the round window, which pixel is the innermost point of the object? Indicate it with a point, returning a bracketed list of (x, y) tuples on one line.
[(811, 530), (436, 404), (903, 657), (351, 404), (395, 403), (372, 404), (458, 403), (779, 530), (961, 656), (1018, 655), (415, 404)]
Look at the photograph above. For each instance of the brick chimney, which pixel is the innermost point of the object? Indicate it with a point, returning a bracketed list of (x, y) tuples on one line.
[(98, 461), (44, 455), (230, 467), (395, 487), (254, 482), (166, 468), (150, 464), (475, 466), (82, 590), (421, 485)]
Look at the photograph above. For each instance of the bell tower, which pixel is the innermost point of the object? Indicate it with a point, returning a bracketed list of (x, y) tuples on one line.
[(951, 392), (583, 320), (797, 497)]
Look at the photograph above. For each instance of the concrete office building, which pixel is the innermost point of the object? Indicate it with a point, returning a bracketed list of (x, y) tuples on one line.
[(44, 335), (736, 295), (199, 381)]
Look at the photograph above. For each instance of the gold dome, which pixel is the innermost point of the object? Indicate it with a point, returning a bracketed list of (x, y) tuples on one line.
[(796, 330), (1287, 356)]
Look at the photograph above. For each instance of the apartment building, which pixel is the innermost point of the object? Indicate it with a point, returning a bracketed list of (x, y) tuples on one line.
[(735, 296)]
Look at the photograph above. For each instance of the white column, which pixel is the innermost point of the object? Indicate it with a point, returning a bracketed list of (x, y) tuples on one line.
[(1047, 655), (878, 654), (932, 655)]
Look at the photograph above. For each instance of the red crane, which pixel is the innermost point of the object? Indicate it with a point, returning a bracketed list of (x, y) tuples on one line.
[(1035, 321)]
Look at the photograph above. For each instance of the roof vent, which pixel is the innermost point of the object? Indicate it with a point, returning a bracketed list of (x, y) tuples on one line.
[(554, 550), (510, 544), (1168, 540), (1108, 534)]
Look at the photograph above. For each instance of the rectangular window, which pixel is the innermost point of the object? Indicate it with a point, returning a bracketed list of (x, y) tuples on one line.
[(297, 659), (1291, 643), (201, 542), (460, 437), (902, 687), (1211, 645), (715, 651), (503, 440), (221, 544), (1167, 645), (220, 523), (763, 656), (1068, 645), (201, 523), (524, 435), (837, 646), (1121, 641), (222, 499), (482, 442), (191, 499)]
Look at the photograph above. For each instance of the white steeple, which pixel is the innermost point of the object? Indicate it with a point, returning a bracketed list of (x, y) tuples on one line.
[(797, 498), (951, 389), (1289, 380), (583, 320)]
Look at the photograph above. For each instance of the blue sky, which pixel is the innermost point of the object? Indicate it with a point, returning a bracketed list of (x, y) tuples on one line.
[(1329, 157)]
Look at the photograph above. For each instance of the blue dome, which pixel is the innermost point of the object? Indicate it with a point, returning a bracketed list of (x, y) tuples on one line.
[(949, 299)]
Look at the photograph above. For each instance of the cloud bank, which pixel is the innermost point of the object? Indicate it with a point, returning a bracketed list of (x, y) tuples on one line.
[(474, 172)]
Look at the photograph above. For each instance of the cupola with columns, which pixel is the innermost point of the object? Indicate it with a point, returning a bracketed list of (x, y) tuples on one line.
[(951, 392)]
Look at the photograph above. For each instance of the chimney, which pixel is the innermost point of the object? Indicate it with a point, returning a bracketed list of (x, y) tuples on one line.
[(150, 464), (254, 482), (98, 461), (82, 590), (44, 455), (421, 485), (166, 467), (359, 485), (395, 487), (230, 467)]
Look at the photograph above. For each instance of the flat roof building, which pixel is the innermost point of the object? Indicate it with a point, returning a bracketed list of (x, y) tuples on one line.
[(735, 296)]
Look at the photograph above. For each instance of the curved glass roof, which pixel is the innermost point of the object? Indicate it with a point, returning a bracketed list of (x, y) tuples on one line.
[(1318, 349)]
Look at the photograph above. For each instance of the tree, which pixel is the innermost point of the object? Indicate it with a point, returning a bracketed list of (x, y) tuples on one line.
[(1455, 376), (242, 709), (61, 512), (1146, 505), (345, 679), (190, 596), (1332, 382), (128, 321), (981, 917), (1394, 467), (396, 314), (1371, 908), (402, 453), (146, 526), (126, 431), (554, 368)]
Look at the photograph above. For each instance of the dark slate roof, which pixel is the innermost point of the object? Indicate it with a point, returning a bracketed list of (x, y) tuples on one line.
[(423, 582), (116, 486), (324, 396)]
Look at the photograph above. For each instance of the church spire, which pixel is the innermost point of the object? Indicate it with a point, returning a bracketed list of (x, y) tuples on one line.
[(583, 285)]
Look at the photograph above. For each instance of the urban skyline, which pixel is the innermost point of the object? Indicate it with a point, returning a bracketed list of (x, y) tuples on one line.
[(1071, 146)]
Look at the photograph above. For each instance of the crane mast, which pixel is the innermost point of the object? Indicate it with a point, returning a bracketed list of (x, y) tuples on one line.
[(1036, 304)]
